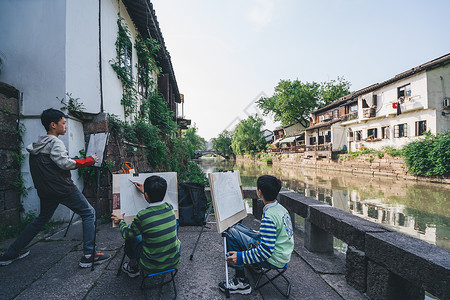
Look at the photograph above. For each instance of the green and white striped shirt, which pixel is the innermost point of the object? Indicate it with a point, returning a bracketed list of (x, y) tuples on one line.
[(160, 243)]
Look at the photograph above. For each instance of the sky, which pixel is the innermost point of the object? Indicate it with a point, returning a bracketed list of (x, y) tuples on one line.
[(227, 54)]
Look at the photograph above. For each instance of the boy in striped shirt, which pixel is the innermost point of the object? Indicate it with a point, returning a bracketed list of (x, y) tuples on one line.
[(271, 247), (151, 239)]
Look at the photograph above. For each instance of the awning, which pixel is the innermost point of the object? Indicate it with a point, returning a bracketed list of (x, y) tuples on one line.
[(289, 139), (277, 141)]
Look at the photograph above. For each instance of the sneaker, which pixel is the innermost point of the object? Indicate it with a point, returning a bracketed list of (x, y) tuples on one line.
[(100, 258), (6, 260), (236, 286), (132, 272)]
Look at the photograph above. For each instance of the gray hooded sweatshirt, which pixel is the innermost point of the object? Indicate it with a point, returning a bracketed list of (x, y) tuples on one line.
[(50, 167)]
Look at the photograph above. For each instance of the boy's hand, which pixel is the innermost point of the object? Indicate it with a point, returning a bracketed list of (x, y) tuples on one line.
[(139, 186), (95, 157), (232, 257), (117, 218)]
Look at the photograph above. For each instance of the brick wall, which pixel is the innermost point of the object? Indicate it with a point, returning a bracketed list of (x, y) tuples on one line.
[(10, 205), (118, 153)]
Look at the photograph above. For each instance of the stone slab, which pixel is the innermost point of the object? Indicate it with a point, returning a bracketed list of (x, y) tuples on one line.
[(417, 261), (343, 225), (297, 203), (19, 275), (338, 283), (64, 280)]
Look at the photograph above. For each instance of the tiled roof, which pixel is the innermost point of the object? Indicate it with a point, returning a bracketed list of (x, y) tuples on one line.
[(440, 61)]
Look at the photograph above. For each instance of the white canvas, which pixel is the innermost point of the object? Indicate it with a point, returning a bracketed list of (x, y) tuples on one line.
[(97, 145), (227, 197), (132, 201)]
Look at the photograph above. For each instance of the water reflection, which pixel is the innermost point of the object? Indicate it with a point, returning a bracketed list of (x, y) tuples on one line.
[(421, 210)]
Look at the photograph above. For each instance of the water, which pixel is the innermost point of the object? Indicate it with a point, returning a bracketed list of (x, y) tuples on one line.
[(421, 210)]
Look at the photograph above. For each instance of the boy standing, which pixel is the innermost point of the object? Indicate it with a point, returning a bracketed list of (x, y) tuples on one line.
[(50, 167), (271, 247), (151, 239)]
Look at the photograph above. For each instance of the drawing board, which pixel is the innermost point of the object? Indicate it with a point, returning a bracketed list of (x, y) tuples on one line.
[(127, 199), (97, 145), (227, 197)]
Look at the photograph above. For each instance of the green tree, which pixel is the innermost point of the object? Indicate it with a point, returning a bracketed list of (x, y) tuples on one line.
[(194, 142), (222, 144), (248, 136), (293, 101)]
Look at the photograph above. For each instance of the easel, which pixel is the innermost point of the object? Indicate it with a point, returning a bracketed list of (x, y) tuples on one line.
[(97, 170), (227, 290)]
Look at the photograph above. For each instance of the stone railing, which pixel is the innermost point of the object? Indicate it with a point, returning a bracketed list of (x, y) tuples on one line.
[(380, 262)]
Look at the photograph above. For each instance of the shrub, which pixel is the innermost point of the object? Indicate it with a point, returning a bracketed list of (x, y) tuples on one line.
[(429, 156)]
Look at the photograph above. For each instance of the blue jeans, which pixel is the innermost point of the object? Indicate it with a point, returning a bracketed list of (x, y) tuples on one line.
[(241, 238), (77, 203)]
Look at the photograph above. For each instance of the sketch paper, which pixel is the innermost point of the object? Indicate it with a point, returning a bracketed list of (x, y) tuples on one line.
[(228, 202), (131, 201), (97, 145)]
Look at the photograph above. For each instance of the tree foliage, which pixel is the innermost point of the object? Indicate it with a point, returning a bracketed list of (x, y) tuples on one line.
[(429, 156), (194, 141), (222, 143), (293, 101), (248, 136)]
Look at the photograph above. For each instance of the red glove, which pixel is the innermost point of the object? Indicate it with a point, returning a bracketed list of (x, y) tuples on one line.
[(84, 162)]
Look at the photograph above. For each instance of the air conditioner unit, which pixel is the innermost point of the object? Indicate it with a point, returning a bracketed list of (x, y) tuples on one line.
[(446, 102)]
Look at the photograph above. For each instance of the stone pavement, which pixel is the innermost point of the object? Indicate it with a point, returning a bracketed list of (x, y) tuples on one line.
[(51, 270)]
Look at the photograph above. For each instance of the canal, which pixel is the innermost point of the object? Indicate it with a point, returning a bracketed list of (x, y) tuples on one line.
[(418, 209)]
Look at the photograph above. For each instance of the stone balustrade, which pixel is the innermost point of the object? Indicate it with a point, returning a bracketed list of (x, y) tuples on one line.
[(380, 262)]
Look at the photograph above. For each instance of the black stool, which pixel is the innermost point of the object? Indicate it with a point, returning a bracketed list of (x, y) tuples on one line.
[(280, 272), (145, 287)]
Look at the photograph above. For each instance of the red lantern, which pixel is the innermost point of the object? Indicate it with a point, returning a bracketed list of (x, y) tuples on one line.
[(395, 105)]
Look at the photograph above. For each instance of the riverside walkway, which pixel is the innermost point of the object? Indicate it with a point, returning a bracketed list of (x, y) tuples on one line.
[(51, 270)]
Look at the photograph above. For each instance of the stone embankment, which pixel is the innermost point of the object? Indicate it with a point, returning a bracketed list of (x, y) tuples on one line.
[(369, 164)]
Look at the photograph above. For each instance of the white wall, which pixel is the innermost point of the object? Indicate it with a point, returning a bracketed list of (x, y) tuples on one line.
[(410, 118), (33, 47), (387, 95), (438, 81), (82, 53), (338, 137)]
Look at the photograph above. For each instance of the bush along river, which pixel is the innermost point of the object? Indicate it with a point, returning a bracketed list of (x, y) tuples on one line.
[(419, 209)]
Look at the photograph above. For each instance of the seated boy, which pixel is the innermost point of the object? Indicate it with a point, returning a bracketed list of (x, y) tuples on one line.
[(271, 247), (151, 238)]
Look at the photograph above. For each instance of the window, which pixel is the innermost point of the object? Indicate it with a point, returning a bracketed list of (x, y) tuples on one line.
[(125, 50), (358, 135), (328, 137), (312, 140), (354, 108), (421, 127), (335, 114), (321, 139), (142, 79), (404, 91), (400, 130), (385, 132), (372, 133)]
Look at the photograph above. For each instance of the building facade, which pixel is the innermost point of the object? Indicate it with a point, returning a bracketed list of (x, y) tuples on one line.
[(54, 48), (392, 113)]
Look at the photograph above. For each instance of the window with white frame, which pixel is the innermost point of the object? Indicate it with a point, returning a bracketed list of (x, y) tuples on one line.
[(404, 91), (358, 135), (400, 130), (385, 132), (421, 127), (372, 133)]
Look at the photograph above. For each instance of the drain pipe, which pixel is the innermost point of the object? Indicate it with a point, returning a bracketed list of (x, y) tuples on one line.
[(100, 52)]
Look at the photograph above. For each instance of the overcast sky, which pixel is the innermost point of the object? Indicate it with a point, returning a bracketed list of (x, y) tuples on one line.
[(227, 53)]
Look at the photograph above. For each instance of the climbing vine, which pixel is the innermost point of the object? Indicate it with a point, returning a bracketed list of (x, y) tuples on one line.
[(122, 66)]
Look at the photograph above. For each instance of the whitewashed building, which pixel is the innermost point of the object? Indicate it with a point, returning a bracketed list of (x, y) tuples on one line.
[(49, 48), (391, 113)]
